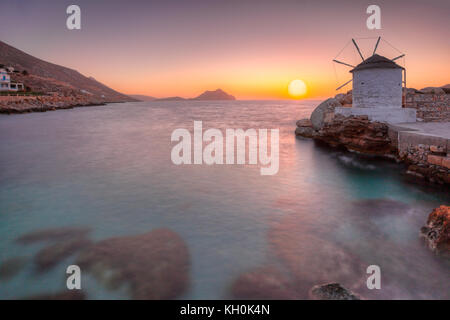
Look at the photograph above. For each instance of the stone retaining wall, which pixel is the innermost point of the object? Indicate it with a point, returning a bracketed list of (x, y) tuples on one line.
[(427, 156), (430, 106)]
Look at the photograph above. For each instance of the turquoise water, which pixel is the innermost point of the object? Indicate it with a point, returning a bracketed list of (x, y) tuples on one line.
[(109, 168)]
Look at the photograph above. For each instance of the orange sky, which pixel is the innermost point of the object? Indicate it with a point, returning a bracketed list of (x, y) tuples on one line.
[(250, 49)]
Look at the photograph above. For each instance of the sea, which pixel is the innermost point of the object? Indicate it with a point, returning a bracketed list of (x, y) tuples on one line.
[(325, 216)]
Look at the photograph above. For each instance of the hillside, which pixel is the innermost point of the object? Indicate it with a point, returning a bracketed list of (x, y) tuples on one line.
[(48, 77)]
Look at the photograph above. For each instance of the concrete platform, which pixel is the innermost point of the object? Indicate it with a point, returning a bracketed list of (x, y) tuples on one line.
[(425, 133), (441, 129), (387, 115)]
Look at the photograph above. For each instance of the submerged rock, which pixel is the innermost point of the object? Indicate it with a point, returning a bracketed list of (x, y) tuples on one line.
[(53, 234), (311, 259), (53, 254), (331, 291), (263, 283), (10, 267), (155, 265), (64, 295), (437, 231)]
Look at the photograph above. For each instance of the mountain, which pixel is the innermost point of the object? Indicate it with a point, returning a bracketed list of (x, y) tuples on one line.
[(218, 94), (48, 77), (142, 97)]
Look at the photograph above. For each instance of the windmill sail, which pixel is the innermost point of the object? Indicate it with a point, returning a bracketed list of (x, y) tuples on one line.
[(345, 64), (357, 48), (344, 84), (376, 45), (400, 56)]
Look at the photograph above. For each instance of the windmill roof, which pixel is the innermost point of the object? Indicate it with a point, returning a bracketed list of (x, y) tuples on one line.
[(377, 62)]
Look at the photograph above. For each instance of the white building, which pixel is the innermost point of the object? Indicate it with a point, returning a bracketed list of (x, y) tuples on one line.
[(377, 92), (7, 85)]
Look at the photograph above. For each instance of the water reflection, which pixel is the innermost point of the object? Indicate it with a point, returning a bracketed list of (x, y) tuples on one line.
[(202, 231)]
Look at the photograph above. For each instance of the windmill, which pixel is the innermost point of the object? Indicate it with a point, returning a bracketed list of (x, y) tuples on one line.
[(378, 87), (364, 60)]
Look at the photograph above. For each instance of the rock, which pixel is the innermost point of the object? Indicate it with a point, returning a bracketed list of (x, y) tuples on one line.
[(432, 90), (437, 149), (357, 134), (379, 207), (446, 162), (263, 283), (437, 231), (65, 295), (155, 265), (53, 234), (436, 160), (304, 123), (10, 267), (304, 128), (332, 291), (348, 99), (310, 259), (324, 113), (340, 97), (53, 254), (347, 105), (307, 132)]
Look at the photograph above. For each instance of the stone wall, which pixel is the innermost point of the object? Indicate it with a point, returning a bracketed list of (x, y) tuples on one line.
[(427, 156), (431, 106)]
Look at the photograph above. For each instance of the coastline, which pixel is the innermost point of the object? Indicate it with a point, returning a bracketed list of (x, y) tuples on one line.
[(28, 104), (424, 147)]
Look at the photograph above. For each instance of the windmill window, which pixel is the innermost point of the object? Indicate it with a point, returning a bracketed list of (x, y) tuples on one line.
[(362, 82)]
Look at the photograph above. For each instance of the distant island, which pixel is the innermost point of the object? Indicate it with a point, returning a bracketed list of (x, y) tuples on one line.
[(142, 97), (218, 94)]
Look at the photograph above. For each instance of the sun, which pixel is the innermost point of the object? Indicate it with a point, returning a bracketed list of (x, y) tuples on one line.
[(297, 88)]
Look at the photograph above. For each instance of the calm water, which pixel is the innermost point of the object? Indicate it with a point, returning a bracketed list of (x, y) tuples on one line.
[(109, 168)]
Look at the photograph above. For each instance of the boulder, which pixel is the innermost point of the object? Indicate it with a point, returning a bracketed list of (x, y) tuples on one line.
[(51, 255), (348, 99), (304, 128), (304, 123), (340, 97), (307, 132), (324, 113), (332, 291), (11, 267), (154, 265), (263, 283), (437, 231), (64, 295), (310, 259)]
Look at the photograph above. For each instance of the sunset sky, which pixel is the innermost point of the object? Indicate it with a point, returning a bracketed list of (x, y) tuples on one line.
[(251, 49)]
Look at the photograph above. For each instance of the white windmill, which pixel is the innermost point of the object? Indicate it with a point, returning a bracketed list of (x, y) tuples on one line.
[(377, 88)]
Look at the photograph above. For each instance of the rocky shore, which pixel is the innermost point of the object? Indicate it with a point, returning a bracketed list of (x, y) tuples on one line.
[(27, 104), (437, 230), (426, 155)]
